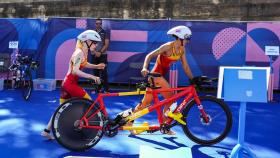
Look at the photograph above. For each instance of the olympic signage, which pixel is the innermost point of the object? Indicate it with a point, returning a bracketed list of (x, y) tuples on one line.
[(13, 44)]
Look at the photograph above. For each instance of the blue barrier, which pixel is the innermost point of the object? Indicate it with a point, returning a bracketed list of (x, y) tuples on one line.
[(243, 84)]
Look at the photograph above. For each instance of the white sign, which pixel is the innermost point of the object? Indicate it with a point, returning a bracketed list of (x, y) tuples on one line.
[(245, 74), (271, 50), (13, 44)]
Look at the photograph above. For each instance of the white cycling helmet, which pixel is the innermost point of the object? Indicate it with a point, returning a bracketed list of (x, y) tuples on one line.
[(89, 35), (182, 32)]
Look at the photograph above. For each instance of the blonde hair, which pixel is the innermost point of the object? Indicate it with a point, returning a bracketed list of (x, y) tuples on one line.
[(79, 44)]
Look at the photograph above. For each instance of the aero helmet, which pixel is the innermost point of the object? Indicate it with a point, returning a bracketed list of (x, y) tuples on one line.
[(89, 35), (182, 32)]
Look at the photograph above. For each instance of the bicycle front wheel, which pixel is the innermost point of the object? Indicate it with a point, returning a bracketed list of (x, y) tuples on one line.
[(66, 121), (26, 86), (212, 132)]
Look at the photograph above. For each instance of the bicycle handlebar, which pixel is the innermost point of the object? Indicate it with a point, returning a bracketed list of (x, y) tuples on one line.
[(199, 81), (24, 60), (203, 80), (96, 86), (203, 83), (150, 74)]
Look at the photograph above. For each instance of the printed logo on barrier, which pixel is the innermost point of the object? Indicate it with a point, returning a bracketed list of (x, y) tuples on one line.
[(81, 23), (225, 40)]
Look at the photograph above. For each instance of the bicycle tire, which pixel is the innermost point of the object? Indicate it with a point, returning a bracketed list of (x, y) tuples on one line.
[(192, 128), (26, 86), (63, 125)]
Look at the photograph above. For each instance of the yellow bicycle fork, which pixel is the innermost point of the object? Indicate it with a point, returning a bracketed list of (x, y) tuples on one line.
[(145, 126)]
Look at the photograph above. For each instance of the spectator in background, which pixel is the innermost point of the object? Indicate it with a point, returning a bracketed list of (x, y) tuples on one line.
[(100, 56)]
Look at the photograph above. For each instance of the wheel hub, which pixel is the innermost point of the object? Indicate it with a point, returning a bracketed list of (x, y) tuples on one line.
[(78, 125), (203, 120)]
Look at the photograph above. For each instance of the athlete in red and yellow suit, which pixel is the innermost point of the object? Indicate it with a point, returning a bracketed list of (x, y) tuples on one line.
[(164, 62), (166, 55), (70, 86)]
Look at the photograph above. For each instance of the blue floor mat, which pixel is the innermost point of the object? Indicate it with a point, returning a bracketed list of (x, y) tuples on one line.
[(22, 121)]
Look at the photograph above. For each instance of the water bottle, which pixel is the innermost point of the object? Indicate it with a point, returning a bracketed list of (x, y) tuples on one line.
[(173, 106), (126, 113)]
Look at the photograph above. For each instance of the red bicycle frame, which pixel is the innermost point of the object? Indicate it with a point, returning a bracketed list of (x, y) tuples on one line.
[(189, 93)]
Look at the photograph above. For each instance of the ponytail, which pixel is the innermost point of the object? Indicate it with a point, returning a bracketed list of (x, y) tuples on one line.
[(79, 44)]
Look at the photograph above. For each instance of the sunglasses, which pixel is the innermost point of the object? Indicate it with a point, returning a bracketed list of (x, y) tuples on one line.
[(94, 42), (98, 23)]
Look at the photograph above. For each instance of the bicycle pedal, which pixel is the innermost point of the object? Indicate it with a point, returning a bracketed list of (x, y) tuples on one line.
[(177, 117)]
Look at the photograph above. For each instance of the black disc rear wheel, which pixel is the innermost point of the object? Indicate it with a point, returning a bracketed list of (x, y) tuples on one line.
[(66, 122)]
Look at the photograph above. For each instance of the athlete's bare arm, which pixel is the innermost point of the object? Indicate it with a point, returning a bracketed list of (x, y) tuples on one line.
[(162, 49)]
